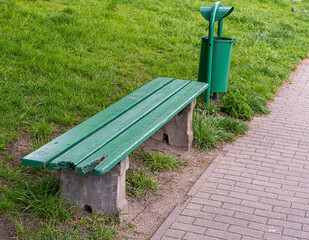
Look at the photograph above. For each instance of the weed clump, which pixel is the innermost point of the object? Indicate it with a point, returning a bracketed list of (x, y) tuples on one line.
[(235, 105), (139, 183), (208, 131), (258, 104), (41, 198), (159, 162)]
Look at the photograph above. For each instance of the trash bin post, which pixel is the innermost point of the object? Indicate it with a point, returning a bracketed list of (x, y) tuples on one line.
[(215, 51)]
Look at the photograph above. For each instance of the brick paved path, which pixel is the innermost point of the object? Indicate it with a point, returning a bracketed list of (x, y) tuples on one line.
[(260, 188)]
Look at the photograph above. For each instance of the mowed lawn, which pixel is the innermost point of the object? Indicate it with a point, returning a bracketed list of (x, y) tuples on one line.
[(62, 61)]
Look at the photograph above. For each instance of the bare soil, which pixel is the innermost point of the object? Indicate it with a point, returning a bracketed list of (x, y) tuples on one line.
[(146, 214), (7, 229)]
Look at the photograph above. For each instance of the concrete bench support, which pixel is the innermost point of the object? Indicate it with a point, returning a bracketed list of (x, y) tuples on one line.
[(102, 194), (178, 131)]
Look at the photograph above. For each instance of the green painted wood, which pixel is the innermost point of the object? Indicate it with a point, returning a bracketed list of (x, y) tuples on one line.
[(113, 152), (42, 156), (96, 141)]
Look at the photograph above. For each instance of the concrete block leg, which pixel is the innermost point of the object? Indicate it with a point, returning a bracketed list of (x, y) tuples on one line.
[(102, 194), (178, 131)]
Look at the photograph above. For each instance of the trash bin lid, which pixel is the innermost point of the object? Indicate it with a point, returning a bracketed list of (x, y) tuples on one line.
[(222, 12)]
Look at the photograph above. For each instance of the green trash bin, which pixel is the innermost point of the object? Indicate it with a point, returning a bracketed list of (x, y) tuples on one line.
[(215, 52), (222, 49)]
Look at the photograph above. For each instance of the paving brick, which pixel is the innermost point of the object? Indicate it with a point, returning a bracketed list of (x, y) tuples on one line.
[(197, 214), (239, 170), (292, 211), (214, 190), (237, 156), (295, 188), (188, 228), (255, 177), (218, 211), (272, 166), (302, 195), (211, 224), (254, 204), (284, 223), (296, 171), (217, 234), (232, 189), (185, 219), (287, 172), (244, 196), (268, 184), (279, 191), (250, 186), (204, 195), (262, 194), (251, 217), (265, 227), (295, 233), (235, 150), (207, 202), (293, 199), (305, 227), (270, 175), (191, 236), (248, 238), (249, 163), (174, 233), (245, 231), (194, 206), (298, 219), (290, 163), (297, 179), (274, 236), (238, 179), (167, 238), (270, 214), (304, 176), (238, 208), (229, 220), (225, 199), (210, 182), (223, 181), (255, 162), (284, 181)]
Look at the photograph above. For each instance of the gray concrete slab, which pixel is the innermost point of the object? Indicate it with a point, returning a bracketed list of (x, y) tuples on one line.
[(101, 194), (178, 131), (260, 188)]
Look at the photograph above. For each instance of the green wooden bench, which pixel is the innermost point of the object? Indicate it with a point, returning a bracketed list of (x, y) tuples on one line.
[(98, 144)]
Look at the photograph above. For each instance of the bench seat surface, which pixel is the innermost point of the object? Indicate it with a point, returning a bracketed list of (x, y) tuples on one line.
[(103, 140)]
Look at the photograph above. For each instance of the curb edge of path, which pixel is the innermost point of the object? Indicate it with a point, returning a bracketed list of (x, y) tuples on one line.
[(180, 206)]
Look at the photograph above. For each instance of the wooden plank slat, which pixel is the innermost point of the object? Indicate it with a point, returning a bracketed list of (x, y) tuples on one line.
[(96, 141), (42, 156), (112, 153)]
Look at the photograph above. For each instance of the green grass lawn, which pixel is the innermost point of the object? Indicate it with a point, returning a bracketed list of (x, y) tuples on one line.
[(62, 61)]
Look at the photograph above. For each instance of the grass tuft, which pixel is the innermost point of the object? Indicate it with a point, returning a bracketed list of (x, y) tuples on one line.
[(139, 183), (158, 162), (232, 125), (93, 227), (40, 198), (235, 104), (209, 131), (42, 129), (258, 104)]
